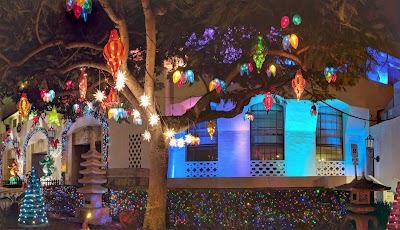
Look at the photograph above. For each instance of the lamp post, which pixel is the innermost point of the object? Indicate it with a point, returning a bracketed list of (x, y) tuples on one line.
[(369, 143)]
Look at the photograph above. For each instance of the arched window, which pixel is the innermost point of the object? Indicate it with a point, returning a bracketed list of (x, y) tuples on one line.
[(329, 135), (267, 133), (208, 149)]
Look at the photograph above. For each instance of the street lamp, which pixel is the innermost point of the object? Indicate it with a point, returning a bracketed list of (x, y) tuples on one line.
[(369, 143)]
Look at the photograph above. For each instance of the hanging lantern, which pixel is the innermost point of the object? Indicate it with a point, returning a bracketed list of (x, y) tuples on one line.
[(81, 8), (248, 116), (313, 110), (298, 84), (112, 97), (195, 140), (259, 56), (268, 101), (23, 107), (211, 128), (114, 52), (82, 85)]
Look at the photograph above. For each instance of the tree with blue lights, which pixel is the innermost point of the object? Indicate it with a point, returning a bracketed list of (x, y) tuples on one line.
[(33, 211)]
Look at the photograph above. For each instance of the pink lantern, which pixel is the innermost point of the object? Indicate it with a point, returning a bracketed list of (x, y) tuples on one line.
[(298, 84), (268, 101)]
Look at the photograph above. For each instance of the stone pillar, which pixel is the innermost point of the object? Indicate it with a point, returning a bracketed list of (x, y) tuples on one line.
[(93, 177)]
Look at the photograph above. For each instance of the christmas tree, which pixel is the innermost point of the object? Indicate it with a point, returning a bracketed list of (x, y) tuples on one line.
[(33, 211), (394, 217)]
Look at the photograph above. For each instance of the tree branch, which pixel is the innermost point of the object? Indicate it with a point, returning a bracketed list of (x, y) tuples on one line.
[(5, 58), (75, 65), (37, 22), (110, 12), (302, 50), (287, 55)]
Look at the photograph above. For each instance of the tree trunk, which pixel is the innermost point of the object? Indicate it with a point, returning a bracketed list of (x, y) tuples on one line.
[(155, 218)]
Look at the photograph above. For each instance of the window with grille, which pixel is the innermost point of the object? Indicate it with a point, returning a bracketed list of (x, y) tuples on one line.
[(267, 133), (329, 135), (208, 148)]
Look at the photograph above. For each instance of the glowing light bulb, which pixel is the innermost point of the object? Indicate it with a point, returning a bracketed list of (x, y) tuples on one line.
[(144, 101), (99, 96), (120, 81), (154, 119), (146, 135), (169, 133)]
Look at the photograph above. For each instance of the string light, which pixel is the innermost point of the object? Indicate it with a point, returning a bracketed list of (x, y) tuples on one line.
[(120, 81), (99, 95), (188, 138), (154, 119), (180, 143), (173, 142), (144, 101), (169, 133), (146, 135)]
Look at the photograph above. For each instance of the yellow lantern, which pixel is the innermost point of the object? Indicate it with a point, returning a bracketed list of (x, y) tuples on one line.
[(23, 107), (294, 41), (211, 128), (298, 84)]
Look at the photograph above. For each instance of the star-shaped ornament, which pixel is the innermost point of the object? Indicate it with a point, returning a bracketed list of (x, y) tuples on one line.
[(54, 117)]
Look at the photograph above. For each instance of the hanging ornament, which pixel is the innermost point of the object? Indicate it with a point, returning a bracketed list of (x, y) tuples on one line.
[(81, 8), (69, 85), (296, 19), (76, 108), (268, 101), (23, 107), (173, 142), (272, 70), (211, 128), (298, 84), (196, 140), (248, 116), (294, 41), (218, 85), (286, 42), (154, 119), (47, 96), (54, 117), (35, 121), (144, 101), (330, 74), (184, 78), (114, 52), (170, 133), (180, 143), (313, 110), (244, 69), (190, 76), (112, 98), (82, 85), (285, 22), (176, 76), (259, 56), (250, 67), (188, 138)]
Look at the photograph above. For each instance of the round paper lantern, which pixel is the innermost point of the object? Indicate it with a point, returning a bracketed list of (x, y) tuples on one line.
[(23, 107), (296, 19), (114, 52), (298, 84), (268, 101)]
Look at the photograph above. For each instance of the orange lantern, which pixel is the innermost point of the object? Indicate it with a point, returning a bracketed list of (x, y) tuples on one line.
[(23, 107), (112, 98), (268, 101), (298, 84), (211, 128), (114, 52), (82, 85)]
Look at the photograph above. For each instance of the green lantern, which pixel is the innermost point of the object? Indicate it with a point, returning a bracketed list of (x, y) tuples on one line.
[(259, 56), (297, 19)]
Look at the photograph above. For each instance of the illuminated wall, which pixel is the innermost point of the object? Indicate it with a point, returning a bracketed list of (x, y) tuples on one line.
[(300, 140)]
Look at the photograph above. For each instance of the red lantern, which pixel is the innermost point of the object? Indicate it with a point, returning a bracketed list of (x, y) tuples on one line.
[(211, 128), (23, 107), (112, 98), (268, 101), (114, 52), (298, 84), (82, 85)]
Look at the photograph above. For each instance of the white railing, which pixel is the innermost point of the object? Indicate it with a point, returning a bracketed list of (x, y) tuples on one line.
[(331, 168), (267, 168)]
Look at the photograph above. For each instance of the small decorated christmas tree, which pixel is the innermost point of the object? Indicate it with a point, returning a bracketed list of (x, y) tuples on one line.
[(394, 217), (33, 211)]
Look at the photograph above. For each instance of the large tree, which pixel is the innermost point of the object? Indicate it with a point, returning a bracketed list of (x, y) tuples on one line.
[(41, 44)]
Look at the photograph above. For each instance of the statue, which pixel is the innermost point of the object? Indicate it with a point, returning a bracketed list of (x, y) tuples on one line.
[(48, 167)]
